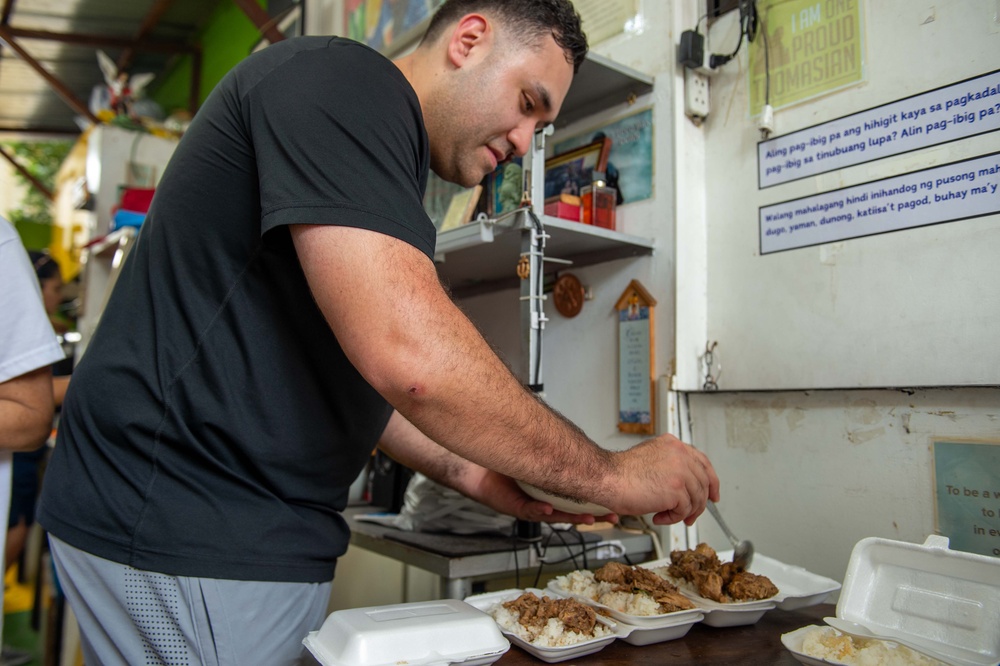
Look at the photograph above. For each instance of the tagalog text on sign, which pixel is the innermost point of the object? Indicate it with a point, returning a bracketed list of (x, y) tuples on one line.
[(967, 486), (954, 191), (955, 111)]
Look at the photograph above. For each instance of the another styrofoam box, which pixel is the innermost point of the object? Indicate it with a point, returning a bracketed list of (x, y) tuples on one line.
[(944, 602), (431, 633)]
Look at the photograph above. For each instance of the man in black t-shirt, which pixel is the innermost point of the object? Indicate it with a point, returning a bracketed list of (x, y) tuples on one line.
[(280, 315)]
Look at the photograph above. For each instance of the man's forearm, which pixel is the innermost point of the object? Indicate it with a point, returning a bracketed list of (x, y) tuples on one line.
[(479, 410), (435, 368), (407, 445), (383, 301), (26, 409)]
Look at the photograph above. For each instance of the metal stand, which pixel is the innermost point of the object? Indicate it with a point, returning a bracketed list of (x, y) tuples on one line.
[(533, 239)]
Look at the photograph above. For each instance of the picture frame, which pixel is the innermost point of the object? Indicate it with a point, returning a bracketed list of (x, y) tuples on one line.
[(630, 160), (506, 188), (388, 26), (569, 172), (636, 362), (461, 208)]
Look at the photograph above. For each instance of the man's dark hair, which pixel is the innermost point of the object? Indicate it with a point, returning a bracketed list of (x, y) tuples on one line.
[(45, 266), (527, 19)]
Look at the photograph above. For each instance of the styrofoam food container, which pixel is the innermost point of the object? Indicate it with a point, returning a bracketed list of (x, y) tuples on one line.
[(663, 620), (551, 655), (944, 602), (427, 633), (733, 614), (647, 635), (793, 641), (561, 503), (797, 587)]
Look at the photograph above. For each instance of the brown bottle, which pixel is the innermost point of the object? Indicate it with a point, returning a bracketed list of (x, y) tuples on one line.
[(597, 203)]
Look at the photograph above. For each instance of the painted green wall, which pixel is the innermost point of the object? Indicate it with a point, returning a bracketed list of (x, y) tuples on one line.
[(34, 235), (227, 38)]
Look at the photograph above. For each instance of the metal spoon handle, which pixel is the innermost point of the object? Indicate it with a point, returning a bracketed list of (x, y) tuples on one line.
[(725, 528)]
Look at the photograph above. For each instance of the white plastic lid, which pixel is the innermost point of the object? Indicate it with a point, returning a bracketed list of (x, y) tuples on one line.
[(945, 602), (418, 634)]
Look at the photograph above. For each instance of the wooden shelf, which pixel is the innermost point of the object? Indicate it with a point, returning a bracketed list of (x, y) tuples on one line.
[(482, 256)]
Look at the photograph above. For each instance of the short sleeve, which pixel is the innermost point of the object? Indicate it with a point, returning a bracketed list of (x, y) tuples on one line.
[(339, 139), (27, 341)]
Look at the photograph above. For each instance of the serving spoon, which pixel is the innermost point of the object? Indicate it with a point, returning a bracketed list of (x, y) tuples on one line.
[(742, 549)]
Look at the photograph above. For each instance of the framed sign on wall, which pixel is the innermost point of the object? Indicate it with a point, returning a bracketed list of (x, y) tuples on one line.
[(636, 391)]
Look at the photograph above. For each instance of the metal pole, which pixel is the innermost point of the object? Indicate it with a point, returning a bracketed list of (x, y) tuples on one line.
[(533, 256)]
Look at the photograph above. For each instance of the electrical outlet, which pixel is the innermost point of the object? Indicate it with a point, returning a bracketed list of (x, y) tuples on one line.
[(696, 104)]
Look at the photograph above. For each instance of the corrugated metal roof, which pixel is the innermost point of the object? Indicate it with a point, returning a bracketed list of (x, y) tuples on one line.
[(63, 36)]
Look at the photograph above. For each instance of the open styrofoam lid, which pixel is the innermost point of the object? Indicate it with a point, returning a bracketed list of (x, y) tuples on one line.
[(945, 602), (418, 634)]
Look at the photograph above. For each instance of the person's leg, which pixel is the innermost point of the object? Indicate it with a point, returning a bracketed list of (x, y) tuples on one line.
[(258, 623), (132, 617), (17, 535)]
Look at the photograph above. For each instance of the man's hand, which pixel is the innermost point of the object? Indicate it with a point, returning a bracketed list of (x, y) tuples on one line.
[(664, 476)]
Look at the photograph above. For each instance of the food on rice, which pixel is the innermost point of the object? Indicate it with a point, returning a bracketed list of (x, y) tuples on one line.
[(629, 590), (548, 622), (828, 643), (700, 571)]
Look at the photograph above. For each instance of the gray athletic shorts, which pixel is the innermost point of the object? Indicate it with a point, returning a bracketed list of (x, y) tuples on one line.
[(141, 618)]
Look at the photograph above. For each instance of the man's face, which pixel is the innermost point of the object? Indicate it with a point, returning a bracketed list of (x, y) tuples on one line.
[(489, 109), (52, 293)]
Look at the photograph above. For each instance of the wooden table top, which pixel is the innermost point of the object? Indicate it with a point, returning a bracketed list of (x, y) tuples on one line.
[(754, 645)]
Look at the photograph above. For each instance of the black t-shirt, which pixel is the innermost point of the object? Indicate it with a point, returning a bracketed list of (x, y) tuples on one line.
[(214, 426)]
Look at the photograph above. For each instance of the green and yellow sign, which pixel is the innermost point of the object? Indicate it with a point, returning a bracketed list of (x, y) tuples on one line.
[(813, 47)]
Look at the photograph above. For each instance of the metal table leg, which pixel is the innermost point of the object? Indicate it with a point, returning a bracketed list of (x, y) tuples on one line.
[(455, 588)]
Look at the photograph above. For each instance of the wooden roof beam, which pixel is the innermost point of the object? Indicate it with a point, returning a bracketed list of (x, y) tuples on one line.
[(38, 185), (58, 86), (81, 39), (260, 18), (195, 90), (149, 22), (39, 130), (8, 7)]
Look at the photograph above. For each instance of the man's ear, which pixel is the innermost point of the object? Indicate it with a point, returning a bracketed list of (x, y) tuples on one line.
[(470, 40)]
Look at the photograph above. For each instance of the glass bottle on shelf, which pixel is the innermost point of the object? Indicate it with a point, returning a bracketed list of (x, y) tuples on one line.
[(597, 203)]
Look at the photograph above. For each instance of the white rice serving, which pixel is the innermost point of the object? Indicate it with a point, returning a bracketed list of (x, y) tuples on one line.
[(828, 643), (553, 634), (583, 583), (681, 584)]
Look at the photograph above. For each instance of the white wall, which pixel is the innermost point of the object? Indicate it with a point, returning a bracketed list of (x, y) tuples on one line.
[(806, 475), (795, 319)]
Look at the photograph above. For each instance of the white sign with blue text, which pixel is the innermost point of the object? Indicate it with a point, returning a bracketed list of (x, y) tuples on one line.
[(955, 191), (956, 111)]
